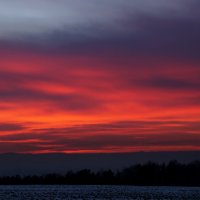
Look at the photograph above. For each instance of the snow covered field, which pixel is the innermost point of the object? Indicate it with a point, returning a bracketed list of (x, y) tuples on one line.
[(97, 192)]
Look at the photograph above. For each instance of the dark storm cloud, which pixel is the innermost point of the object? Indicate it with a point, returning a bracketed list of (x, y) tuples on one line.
[(171, 29)]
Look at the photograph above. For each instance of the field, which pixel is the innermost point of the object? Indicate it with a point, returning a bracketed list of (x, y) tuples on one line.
[(97, 192)]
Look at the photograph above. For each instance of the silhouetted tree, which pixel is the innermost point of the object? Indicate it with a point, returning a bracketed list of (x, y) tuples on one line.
[(171, 174)]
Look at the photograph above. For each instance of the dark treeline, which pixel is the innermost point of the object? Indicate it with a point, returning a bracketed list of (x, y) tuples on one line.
[(171, 174)]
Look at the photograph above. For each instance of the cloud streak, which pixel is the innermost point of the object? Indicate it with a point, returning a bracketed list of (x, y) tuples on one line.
[(124, 135)]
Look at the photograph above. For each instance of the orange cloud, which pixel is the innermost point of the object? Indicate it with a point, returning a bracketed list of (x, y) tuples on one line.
[(68, 103)]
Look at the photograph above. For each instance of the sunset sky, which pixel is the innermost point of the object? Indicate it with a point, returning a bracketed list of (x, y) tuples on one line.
[(85, 76)]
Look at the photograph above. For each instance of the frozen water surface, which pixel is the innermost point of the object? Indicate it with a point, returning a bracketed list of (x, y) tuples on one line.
[(97, 192)]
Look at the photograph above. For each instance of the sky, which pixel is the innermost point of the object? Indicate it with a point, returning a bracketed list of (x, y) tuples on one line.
[(99, 76)]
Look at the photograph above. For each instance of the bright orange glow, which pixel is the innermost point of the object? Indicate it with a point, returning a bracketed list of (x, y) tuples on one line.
[(79, 104)]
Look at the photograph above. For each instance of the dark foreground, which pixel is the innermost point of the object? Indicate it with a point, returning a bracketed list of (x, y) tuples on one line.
[(149, 174), (39, 192)]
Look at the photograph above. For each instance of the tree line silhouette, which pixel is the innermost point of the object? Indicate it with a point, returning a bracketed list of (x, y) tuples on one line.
[(149, 174)]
